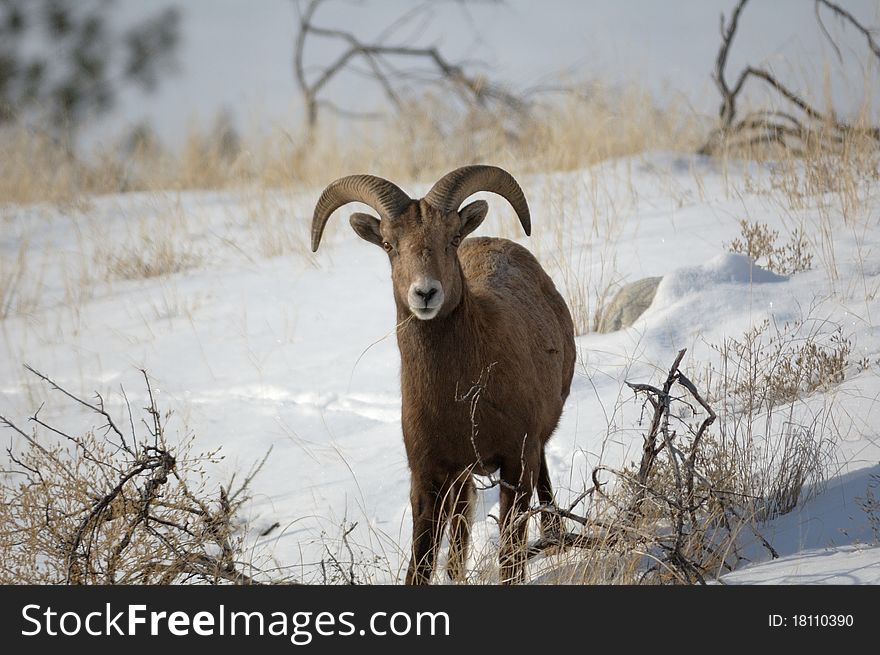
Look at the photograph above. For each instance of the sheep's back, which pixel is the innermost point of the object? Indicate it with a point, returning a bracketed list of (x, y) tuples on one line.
[(528, 306)]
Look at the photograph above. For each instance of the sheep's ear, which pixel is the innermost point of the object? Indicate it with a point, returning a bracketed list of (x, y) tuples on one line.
[(367, 227), (471, 216)]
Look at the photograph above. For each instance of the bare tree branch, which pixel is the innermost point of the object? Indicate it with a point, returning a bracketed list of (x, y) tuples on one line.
[(428, 65), (848, 17), (728, 102), (761, 127)]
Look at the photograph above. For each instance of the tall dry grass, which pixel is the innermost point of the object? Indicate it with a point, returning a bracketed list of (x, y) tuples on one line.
[(428, 138)]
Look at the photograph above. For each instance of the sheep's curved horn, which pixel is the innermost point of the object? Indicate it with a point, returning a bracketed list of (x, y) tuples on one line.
[(380, 194), (451, 190)]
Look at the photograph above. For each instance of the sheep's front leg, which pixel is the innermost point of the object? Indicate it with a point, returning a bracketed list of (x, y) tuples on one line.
[(461, 503), (429, 501)]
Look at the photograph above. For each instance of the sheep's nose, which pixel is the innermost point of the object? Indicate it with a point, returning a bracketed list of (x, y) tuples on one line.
[(424, 290), (426, 294), (425, 297)]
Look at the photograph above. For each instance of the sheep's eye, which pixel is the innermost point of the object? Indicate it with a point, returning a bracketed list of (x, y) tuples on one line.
[(387, 246), (456, 240)]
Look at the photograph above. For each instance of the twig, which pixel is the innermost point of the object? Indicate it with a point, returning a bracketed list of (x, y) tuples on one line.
[(99, 409)]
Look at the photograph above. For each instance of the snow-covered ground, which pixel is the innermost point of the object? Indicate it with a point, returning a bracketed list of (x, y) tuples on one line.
[(261, 345)]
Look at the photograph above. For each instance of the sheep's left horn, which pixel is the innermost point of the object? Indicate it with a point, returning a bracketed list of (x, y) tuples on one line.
[(452, 189)]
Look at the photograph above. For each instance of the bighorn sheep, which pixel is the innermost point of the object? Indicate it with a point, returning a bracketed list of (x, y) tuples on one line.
[(486, 368)]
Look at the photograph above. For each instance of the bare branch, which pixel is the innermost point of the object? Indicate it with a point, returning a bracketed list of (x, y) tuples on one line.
[(728, 109), (848, 17), (472, 90), (759, 128), (99, 409)]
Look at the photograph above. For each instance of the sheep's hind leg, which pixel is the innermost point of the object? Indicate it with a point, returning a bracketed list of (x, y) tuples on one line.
[(551, 523)]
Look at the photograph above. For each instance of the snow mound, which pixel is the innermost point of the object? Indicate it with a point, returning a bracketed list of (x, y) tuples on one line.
[(727, 268)]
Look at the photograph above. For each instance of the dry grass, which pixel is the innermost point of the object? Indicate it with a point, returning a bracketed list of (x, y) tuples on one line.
[(34, 168), (780, 444), (156, 254), (870, 504), (569, 131), (277, 233), (826, 187), (427, 140), (770, 366), (13, 295)]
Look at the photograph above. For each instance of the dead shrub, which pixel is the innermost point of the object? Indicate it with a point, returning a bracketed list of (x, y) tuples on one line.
[(870, 504), (107, 506), (780, 446), (670, 518), (765, 368), (713, 468), (758, 241)]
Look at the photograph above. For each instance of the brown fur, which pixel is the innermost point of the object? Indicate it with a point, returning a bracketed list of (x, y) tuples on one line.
[(502, 348)]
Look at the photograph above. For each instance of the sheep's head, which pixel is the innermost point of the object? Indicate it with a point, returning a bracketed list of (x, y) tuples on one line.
[(421, 237)]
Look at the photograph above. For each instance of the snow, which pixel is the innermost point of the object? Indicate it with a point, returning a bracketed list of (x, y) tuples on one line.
[(296, 352), (843, 565), (826, 540)]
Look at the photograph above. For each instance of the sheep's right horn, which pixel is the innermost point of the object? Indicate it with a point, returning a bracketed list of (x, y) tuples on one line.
[(380, 194)]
